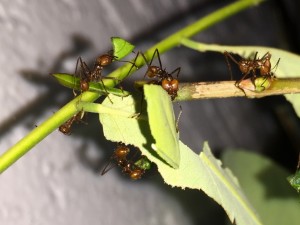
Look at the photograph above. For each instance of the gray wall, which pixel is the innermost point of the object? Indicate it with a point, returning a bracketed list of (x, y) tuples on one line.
[(58, 182)]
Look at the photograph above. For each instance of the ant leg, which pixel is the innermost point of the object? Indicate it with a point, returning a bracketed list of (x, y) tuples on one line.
[(276, 65), (177, 120), (108, 167), (262, 84), (84, 71), (158, 57), (265, 56), (148, 65), (227, 54), (75, 73), (101, 80), (133, 63), (255, 56), (176, 70), (237, 83)]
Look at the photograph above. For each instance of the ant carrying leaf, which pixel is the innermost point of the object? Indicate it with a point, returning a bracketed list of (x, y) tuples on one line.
[(257, 69), (134, 168)]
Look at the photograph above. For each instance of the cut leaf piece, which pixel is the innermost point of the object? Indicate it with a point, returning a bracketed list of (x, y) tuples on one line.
[(266, 186), (162, 124), (294, 180), (70, 81), (289, 65), (121, 47), (202, 173)]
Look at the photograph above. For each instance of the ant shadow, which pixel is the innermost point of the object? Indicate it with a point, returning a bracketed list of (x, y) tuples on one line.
[(56, 95)]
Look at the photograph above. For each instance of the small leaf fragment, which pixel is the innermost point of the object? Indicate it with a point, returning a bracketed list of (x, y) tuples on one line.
[(73, 82), (121, 47), (294, 180)]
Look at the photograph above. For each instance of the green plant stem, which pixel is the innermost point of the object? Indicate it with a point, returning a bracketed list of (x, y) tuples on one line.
[(226, 89), (70, 109)]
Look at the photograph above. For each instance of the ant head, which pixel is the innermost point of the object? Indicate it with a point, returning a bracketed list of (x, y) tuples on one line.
[(104, 60), (171, 86)]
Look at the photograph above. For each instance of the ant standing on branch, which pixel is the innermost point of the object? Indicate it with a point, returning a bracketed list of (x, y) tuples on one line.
[(253, 68)]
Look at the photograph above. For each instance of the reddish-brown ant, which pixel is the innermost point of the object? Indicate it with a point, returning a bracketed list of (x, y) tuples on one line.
[(252, 67), (165, 79), (135, 170), (95, 75), (66, 127)]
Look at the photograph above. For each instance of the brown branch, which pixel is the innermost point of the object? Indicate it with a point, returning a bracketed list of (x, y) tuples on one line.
[(226, 89)]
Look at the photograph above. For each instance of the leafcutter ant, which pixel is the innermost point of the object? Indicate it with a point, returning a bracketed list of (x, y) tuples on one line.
[(134, 169), (256, 68), (95, 75), (165, 79), (66, 127)]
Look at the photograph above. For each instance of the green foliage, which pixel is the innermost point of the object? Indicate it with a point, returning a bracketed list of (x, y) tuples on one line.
[(162, 124), (294, 180), (202, 172), (121, 47), (265, 185), (152, 128), (289, 65), (70, 81), (143, 163)]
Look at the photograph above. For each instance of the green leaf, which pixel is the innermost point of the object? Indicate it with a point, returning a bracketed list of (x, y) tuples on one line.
[(202, 172), (294, 180), (288, 67), (266, 186), (161, 118), (71, 81), (162, 124), (121, 47), (143, 163)]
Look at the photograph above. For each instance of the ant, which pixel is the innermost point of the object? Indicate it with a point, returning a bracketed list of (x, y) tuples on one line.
[(66, 127), (135, 170), (95, 75), (165, 79), (252, 67)]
